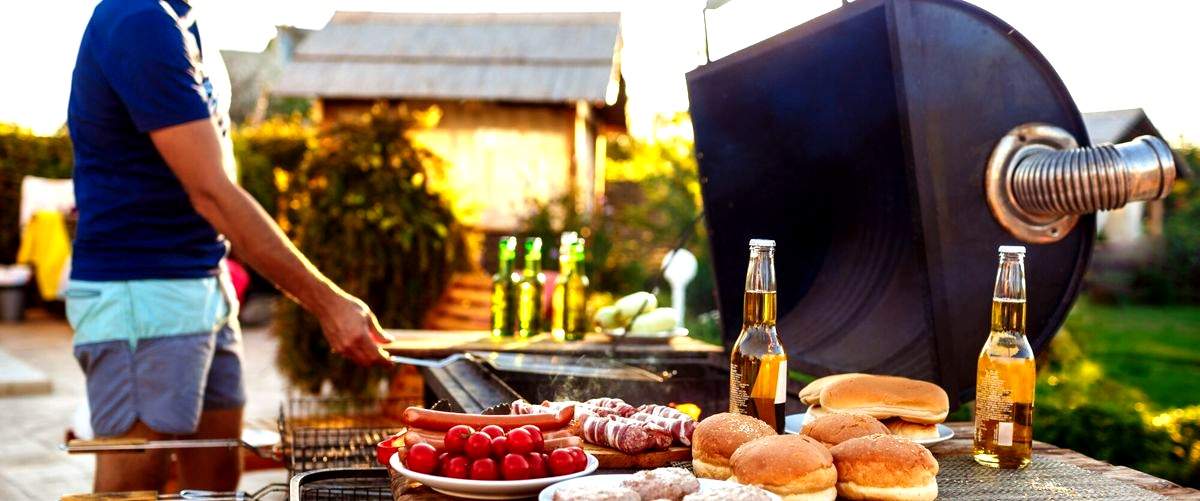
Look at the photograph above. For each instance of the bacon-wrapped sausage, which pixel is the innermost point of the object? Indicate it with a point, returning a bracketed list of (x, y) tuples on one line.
[(680, 428), (663, 411), (623, 435), (622, 408)]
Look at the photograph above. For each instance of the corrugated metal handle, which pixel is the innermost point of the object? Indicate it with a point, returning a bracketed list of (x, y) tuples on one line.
[(1039, 181)]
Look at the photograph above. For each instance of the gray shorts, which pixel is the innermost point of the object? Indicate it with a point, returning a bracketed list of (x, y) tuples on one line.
[(164, 383)]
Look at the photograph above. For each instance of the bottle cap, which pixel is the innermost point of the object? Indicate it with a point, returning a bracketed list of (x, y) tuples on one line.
[(1012, 249), (761, 242)]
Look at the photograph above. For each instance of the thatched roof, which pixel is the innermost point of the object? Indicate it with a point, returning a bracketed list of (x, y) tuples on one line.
[(548, 57)]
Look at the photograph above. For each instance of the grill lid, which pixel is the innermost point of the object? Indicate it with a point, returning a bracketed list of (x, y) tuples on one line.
[(859, 141)]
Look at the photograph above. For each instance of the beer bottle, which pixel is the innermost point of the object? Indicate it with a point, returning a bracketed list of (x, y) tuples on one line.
[(504, 290), (570, 294), (758, 365), (529, 290), (1005, 379)]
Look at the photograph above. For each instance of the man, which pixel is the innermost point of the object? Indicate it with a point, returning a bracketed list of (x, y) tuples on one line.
[(155, 321)]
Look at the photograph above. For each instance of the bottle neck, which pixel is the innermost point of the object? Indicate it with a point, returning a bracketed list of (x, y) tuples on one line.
[(566, 264), (1010, 278), (533, 265), (505, 267), (759, 303)]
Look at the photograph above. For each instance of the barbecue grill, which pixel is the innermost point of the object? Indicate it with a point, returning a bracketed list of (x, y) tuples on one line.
[(889, 147)]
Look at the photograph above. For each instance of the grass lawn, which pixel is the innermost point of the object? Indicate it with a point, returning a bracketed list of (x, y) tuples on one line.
[(1153, 348)]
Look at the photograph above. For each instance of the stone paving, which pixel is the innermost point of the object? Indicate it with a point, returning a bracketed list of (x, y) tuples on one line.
[(32, 426)]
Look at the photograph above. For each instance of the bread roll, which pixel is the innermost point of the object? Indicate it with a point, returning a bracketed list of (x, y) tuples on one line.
[(909, 430), (885, 468), (717, 437), (887, 396), (794, 467), (811, 394), (833, 429)]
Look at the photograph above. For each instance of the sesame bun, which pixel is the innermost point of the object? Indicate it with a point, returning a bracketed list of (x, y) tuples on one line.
[(811, 394), (833, 429), (887, 396), (885, 468), (906, 429), (717, 437), (794, 467)]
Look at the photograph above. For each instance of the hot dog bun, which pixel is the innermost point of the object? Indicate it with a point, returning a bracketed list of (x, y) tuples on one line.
[(887, 396)]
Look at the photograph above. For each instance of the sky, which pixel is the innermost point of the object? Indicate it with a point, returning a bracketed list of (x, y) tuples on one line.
[(1111, 54)]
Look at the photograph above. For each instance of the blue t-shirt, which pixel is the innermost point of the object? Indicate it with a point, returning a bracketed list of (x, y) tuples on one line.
[(140, 68)]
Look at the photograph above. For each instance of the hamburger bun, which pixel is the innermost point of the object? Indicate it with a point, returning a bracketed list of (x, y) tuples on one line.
[(833, 429), (811, 394), (885, 468), (887, 396), (902, 428), (794, 467), (717, 437)]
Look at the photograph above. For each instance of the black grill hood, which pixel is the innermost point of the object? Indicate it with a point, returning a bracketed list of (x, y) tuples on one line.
[(859, 142)]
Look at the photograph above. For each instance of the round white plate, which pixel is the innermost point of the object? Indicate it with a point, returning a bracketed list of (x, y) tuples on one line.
[(646, 337), (794, 422), (488, 489), (611, 480)]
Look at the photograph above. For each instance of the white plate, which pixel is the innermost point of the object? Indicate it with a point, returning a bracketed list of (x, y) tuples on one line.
[(611, 480), (646, 337), (488, 489), (794, 422)]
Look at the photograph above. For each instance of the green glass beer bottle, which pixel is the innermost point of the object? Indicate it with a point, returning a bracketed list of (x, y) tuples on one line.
[(529, 290), (570, 294), (504, 290)]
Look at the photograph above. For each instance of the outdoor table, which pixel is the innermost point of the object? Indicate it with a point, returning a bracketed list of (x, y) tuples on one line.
[(961, 445)]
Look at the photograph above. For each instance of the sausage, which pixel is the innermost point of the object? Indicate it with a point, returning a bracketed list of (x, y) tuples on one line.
[(418, 417), (412, 438)]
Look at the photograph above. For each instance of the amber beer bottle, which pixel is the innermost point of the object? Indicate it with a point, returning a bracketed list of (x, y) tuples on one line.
[(758, 365), (1006, 374)]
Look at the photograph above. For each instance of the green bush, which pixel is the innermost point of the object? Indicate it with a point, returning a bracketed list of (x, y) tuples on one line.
[(267, 153), (360, 209), (24, 154)]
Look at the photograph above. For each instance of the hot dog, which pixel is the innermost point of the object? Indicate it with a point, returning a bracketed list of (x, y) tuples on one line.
[(441, 421), (441, 435)]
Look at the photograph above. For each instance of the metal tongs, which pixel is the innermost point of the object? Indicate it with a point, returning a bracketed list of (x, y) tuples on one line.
[(185, 494), (101, 445)]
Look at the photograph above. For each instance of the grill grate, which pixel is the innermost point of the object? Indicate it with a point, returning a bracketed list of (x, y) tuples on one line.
[(319, 433), (351, 484)]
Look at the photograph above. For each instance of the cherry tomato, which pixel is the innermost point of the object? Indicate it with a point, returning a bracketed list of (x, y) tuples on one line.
[(456, 437), (422, 458), (539, 444), (537, 465), (561, 462), (579, 459), (515, 467), (520, 441), (478, 446), (493, 430), (456, 467), (484, 469), (499, 447)]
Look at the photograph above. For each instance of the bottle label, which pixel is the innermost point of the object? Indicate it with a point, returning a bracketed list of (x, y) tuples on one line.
[(781, 383), (1004, 434)]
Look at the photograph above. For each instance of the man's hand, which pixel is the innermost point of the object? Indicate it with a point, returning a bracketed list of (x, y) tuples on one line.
[(353, 331), (193, 151)]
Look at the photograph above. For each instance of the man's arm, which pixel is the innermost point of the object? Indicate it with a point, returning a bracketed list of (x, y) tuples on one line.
[(193, 152)]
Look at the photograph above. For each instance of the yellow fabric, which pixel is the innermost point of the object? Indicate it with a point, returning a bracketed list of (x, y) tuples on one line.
[(46, 245)]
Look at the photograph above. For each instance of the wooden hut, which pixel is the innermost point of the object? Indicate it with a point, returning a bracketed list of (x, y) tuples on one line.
[(526, 99)]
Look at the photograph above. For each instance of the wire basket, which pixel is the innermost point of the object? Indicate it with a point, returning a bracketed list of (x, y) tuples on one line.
[(318, 433), (345, 484)]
